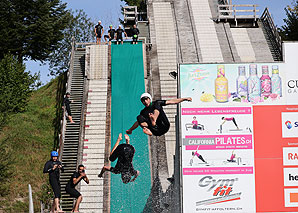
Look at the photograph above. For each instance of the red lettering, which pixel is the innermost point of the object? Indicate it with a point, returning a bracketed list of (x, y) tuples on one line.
[(216, 191), (290, 156), (228, 191)]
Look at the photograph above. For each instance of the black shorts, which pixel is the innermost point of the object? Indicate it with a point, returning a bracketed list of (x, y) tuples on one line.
[(56, 187), (98, 36), (135, 39), (68, 111), (72, 192), (119, 38), (159, 129)]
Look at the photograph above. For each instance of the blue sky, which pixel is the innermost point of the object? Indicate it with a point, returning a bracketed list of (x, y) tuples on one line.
[(109, 11)]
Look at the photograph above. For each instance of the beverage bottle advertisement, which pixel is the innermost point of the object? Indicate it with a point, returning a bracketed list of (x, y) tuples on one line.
[(234, 84)]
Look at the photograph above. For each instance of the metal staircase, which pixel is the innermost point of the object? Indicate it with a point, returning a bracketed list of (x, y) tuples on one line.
[(271, 34), (72, 131)]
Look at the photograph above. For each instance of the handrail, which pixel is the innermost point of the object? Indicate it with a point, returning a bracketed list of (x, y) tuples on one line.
[(68, 86), (230, 11), (267, 17)]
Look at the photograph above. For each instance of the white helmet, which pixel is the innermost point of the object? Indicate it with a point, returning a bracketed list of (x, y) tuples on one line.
[(146, 95)]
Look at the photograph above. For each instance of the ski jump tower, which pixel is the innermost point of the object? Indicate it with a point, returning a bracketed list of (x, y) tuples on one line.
[(172, 32)]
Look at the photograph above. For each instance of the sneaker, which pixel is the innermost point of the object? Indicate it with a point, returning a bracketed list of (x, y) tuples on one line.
[(173, 74)]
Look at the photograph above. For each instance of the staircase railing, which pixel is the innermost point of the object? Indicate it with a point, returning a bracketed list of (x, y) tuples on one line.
[(267, 19), (68, 86), (237, 11)]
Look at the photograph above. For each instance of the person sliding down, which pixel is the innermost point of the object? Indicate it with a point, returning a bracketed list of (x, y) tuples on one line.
[(125, 154), (152, 118), (199, 156)]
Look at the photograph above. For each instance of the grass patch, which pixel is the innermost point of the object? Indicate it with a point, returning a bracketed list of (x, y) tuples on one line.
[(25, 144)]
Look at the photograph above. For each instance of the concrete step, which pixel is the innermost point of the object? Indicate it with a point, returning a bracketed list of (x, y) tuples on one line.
[(90, 188), (96, 115), (93, 151), (96, 127), (99, 144), (91, 166), (95, 199), (94, 132), (99, 160), (102, 100), (101, 122), (94, 137), (93, 172)]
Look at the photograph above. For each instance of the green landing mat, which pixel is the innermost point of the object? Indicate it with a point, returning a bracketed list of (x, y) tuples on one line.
[(127, 79)]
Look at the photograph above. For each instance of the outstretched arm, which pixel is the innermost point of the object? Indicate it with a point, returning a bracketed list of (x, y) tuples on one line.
[(134, 126), (117, 143), (177, 101)]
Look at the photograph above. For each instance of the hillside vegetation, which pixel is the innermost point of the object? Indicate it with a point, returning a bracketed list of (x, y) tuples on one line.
[(25, 145)]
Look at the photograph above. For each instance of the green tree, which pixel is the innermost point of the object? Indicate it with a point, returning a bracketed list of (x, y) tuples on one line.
[(31, 29), (15, 87), (81, 28), (289, 31)]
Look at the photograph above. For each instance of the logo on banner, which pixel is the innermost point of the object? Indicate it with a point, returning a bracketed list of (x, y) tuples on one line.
[(221, 190), (291, 176), (198, 74), (293, 86), (288, 124)]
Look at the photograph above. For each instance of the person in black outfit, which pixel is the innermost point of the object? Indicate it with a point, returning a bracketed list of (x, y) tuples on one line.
[(152, 118), (110, 36), (52, 167), (75, 180), (125, 154), (98, 32), (135, 34), (119, 32), (66, 106)]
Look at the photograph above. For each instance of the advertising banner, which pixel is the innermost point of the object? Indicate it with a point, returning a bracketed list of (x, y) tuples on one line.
[(240, 137)]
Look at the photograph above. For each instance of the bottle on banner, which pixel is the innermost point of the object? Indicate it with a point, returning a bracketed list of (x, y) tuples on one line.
[(265, 82), (276, 81), (221, 85), (254, 83), (242, 82)]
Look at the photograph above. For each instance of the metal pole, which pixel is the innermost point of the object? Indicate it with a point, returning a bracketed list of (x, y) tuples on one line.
[(31, 209)]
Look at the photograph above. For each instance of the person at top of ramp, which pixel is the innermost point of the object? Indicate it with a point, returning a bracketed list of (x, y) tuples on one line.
[(119, 37), (110, 36), (125, 154), (135, 33), (152, 118), (98, 29)]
